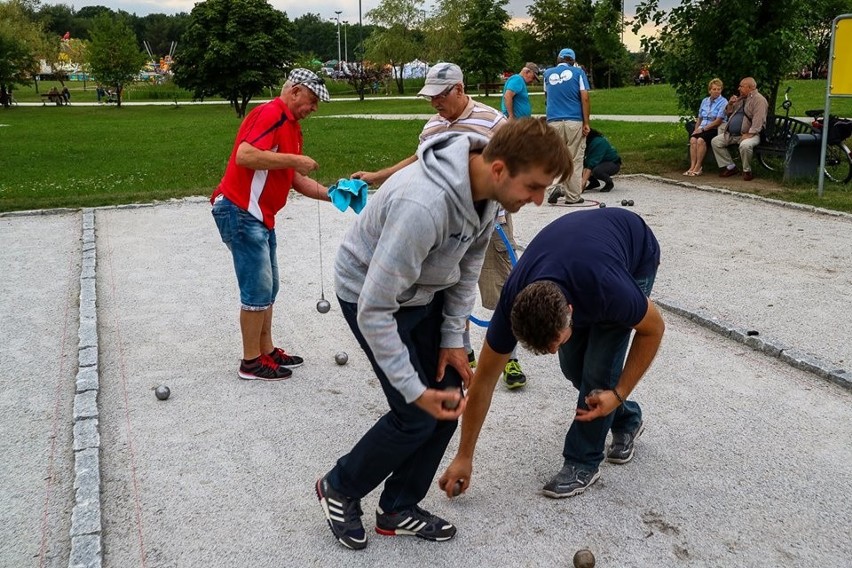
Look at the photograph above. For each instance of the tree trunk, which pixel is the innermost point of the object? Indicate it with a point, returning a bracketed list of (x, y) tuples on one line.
[(118, 90), (246, 99), (400, 81)]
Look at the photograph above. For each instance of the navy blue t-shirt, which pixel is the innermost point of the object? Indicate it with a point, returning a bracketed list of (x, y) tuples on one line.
[(595, 257)]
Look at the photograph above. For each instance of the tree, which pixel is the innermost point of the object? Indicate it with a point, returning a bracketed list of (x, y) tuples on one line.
[(233, 48), (818, 30), (399, 41), (113, 54), (313, 34), (614, 64), (443, 30), (552, 27), (160, 30), (21, 42), (729, 39), (485, 46)]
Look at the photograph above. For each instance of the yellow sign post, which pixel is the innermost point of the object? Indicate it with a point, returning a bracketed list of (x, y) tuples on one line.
[(839, 79)]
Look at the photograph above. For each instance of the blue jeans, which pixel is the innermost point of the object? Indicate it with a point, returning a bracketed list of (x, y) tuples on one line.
[(253, 248), (593, 359), (405, 446)]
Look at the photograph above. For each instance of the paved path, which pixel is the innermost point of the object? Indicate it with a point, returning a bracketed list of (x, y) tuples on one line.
[(745, 461)]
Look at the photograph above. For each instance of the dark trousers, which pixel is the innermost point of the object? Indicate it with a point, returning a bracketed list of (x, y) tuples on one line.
[(405, 446), (593, 358), (604, 171)]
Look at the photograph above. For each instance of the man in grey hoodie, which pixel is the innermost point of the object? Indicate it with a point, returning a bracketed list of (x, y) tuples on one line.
[(406, 276)]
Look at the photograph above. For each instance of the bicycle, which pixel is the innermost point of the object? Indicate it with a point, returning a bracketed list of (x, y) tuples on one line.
[(838, 156), (777, 134)]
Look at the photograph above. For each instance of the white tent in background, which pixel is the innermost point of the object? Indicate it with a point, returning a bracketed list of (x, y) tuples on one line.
[(412, 70)]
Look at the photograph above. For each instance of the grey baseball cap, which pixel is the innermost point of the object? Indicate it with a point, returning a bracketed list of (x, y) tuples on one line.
[(440, 77)]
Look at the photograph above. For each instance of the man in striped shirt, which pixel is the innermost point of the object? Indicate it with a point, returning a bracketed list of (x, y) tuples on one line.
[(457, 112)]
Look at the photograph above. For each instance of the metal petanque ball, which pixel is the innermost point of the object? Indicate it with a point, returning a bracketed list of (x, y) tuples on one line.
[(624, 203), (602, 204), (457, 488), (162, 392), (323, 306), (630, 203), (584, 558), (341, 358)]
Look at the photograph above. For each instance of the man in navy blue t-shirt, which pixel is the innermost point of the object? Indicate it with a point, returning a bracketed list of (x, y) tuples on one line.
[(580, 289)]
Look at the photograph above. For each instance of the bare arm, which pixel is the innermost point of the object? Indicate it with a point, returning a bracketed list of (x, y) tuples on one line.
[(584, 98), (646, 342), (488, 370), (379, 177), (310, 187), (508, 99), (253, 158)]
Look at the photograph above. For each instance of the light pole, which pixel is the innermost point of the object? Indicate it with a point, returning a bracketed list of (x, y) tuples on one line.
[(338, 12), (345, 42), (359, 55)]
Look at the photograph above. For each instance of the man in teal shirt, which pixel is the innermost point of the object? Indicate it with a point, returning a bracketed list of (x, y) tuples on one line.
[(516, 99)]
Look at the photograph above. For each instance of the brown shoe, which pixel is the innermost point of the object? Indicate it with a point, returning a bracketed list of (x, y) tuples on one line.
[(747, 176), (728, 172)]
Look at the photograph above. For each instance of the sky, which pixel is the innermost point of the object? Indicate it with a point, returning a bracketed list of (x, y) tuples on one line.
[(295, 8)]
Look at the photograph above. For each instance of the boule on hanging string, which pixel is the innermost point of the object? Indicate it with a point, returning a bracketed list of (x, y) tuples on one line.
[(323, 305)]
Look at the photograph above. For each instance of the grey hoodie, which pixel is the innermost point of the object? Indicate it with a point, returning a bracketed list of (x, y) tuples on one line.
[(418, 235)]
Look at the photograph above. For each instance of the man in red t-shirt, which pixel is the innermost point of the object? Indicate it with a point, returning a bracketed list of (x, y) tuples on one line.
[(265, 163)]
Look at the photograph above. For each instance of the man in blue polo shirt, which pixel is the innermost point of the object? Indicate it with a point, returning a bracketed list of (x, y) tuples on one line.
[(516, 99), (567, 110), (580, 289)]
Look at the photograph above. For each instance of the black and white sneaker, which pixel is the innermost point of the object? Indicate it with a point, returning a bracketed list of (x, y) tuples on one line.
[(343, 515), (570, 481), (414, 522), (622, 446)]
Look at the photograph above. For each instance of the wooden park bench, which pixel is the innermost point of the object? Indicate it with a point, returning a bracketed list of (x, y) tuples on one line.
[(491, 87), (58, 100), (55, 99)]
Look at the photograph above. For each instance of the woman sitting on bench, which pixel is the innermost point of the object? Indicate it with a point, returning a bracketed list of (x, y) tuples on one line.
[(711, 114)]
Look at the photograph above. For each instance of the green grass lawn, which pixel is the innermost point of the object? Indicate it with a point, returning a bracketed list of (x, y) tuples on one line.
[(88, 156)]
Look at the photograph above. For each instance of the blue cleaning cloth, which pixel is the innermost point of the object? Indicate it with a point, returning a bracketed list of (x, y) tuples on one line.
[(349, 193)]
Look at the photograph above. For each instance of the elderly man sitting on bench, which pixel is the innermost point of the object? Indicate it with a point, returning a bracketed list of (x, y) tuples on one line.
[(746, 119)]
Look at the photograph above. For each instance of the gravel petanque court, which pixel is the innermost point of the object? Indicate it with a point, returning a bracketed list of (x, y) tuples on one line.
[(744, 462)]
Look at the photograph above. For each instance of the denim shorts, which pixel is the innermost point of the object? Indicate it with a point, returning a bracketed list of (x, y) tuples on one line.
[(253, 247)]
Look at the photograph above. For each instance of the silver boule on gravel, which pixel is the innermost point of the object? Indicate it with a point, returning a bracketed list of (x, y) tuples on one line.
[(323, 306), (162, 392), (341, 358)]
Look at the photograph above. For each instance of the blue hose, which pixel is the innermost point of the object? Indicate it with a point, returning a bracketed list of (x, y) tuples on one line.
[(513, 258)]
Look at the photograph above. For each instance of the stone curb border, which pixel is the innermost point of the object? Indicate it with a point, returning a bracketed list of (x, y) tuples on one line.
[(86, 515), (793, 357), (748, 196)]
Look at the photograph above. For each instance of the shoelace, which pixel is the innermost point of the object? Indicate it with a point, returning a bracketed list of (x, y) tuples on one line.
[(283, 355), (513, 368), (267, 361)]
